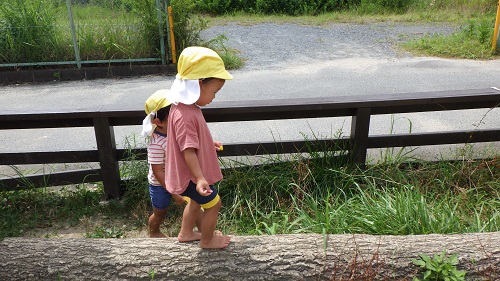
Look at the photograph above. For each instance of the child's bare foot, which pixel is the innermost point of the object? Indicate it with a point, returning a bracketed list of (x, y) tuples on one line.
[(188, 237), (217, 242), (157, 235), (216, 232)]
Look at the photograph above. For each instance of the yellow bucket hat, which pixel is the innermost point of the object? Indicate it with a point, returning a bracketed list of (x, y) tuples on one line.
[(154, 103), (200, 62), (195, 63)]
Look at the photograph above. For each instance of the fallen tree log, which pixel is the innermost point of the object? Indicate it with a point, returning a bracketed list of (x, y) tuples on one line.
[(280, 257)]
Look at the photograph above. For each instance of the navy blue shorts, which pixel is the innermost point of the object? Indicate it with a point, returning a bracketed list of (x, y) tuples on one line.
[(206, 202), (160, 197)]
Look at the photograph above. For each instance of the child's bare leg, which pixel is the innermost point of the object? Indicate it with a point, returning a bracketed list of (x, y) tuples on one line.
[(199, 219), (189, 216), (155, 221), (208, 239)]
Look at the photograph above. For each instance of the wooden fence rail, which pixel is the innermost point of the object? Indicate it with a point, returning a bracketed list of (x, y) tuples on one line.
[(361, 108)]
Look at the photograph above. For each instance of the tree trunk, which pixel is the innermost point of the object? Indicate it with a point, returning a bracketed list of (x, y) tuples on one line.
[(280, 257)]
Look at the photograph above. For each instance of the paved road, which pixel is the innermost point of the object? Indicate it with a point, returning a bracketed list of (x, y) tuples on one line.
[(283, 61)]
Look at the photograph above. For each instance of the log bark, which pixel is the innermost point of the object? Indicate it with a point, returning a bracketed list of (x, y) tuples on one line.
[(280, 257)]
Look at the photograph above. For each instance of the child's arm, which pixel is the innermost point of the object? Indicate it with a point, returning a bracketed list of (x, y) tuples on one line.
[(160, 177), (179, 200), (193, 164), (159, 173)]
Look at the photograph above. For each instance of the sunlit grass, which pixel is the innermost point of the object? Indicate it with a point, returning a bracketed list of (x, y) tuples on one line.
[(289, 194), (472, 41), (384, 199), (102, 33), (105, 32), (448, 11)]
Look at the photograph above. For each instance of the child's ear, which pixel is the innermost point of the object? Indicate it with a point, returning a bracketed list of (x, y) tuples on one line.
[(156, 121)]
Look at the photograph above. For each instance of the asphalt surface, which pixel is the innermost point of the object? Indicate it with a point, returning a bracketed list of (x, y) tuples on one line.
[(283, 61)]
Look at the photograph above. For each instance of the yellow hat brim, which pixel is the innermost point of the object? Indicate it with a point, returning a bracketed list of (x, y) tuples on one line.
[(157, 101), (200, 62)]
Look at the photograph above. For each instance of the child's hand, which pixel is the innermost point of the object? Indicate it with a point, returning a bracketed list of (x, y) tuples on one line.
[(218, 145), (203, 187), (179, 200)]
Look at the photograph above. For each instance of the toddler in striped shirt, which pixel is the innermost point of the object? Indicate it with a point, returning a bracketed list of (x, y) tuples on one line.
[(157, 108)]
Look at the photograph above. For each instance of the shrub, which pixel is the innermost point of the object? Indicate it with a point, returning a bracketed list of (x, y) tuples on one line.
[(380, 6), (287, 7), (187, 26), (27, 31), (220, 7)]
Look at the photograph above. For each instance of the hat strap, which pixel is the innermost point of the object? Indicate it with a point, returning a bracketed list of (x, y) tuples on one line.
[(147, 124), (184, 91)]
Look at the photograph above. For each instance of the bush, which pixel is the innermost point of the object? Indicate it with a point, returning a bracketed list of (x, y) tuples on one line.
[(472, 41), (187, 26), (27, 31), (220, 7), (380, 6), (287, 7), (35, 31)]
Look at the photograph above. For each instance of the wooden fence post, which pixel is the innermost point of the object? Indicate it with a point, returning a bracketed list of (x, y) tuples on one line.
[(108, 158), (360, 128)]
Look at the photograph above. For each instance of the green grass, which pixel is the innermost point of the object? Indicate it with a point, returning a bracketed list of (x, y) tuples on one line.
[(472, 41), (384, 199), (35, 32), (40, 208), (286, 195), (109, 34), (289, 195)]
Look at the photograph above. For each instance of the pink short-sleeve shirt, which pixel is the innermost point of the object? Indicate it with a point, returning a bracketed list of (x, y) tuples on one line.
[(187, 128)]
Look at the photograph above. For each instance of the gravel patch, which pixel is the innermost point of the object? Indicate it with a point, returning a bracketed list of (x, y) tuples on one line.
[(269, 45)]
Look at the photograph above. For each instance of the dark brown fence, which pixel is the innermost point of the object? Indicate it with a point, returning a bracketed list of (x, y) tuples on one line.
[(361, 108)]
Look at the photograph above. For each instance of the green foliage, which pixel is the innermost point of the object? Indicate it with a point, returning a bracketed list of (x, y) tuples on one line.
[(24, 210), (220, 7), (27, 32), (440, 268), (37, 31), (146, 10), (231, 60), (393, 5), (372, 7), (151, 273), (317, 195), (472, 41), (481, 6), (285, 7), (135, 171), (313, 192), (481, 31), (187, 25), (103, 232), (315, 7), (130, 29)]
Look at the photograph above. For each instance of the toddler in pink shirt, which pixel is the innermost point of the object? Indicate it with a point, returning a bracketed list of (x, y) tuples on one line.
[(192, 166)]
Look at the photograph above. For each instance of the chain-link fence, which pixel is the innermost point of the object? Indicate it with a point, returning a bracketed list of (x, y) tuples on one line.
[(76, 32)]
